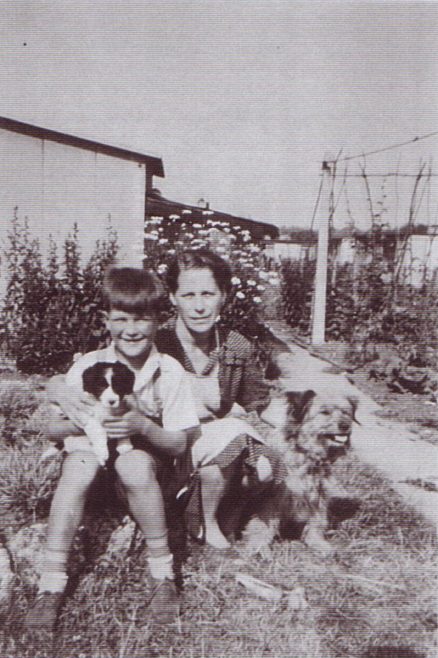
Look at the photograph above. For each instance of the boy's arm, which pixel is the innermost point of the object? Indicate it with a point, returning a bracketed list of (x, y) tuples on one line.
[(134, 423), (75, 404), (58, 427), (180, 420)]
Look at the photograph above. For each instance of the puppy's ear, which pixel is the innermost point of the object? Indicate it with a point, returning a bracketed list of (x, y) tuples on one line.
[(90, 377), (299, 401), (123, 379)]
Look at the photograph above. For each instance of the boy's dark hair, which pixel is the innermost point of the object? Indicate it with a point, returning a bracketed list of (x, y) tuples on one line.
[(200, 259), (132, 290)]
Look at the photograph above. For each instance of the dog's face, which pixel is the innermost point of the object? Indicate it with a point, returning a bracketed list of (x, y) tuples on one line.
[(326, 423), (317, 423), (108, 382)]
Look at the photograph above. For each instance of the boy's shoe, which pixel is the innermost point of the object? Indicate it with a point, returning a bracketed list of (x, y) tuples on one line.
[(42, 616), (164, 601)]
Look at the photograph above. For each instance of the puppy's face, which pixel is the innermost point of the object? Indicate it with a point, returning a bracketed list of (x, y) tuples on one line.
[(108, 382)]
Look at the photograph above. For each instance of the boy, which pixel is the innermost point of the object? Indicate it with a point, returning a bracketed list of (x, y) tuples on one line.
[(132, 298)]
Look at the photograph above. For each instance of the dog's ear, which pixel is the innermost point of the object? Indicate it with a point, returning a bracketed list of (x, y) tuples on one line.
[(299, 401), (91, 375), (354, 401), (123, 379), (272, 371)]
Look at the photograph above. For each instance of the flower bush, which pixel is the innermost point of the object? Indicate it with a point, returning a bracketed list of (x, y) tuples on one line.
[(166, 237), (52, 309)]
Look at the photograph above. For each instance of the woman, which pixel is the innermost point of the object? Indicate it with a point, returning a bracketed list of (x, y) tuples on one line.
[(226, 381)]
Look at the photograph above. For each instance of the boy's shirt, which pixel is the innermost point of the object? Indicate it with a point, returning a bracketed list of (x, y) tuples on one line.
[(162, 388)]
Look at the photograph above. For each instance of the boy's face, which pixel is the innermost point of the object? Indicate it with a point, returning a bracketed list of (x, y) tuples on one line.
[(133, 334)]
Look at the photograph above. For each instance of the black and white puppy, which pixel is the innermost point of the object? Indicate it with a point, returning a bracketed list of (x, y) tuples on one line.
[(110, 384)]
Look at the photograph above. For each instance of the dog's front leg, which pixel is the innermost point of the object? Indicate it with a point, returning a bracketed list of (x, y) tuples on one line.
[(314, 531), (259, 535), (98, 439)]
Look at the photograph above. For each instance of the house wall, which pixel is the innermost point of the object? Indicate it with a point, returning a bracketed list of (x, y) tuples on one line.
[(346, 250), (55, 185), (279, 251), (421, 254)]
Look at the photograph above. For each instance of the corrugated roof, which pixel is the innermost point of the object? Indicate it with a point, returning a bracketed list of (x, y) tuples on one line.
[(159, 206)]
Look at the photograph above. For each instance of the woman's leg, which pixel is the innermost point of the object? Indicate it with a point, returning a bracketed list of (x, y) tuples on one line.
[(213, 485)]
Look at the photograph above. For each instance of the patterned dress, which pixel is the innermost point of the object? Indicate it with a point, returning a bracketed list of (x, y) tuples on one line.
[(240, 383)]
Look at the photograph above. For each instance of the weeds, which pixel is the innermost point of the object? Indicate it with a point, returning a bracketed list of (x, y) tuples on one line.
[(376, 595)]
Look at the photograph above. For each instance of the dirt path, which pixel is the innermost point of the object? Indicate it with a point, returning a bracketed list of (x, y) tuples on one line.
[(410, 463)]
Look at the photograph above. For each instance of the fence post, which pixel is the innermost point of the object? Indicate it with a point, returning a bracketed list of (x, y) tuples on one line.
[(320, 293)]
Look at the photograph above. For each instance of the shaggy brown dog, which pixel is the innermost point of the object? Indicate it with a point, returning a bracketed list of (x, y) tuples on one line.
[(314, 431)]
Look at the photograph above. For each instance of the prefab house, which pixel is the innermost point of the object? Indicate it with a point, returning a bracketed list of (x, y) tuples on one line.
[(56, 180)]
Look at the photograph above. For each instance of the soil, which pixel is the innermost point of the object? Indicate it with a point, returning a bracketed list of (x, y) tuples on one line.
[(418, 412)]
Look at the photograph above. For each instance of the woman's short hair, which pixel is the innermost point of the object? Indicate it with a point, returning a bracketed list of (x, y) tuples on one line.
[(132, 290), (200, 259)]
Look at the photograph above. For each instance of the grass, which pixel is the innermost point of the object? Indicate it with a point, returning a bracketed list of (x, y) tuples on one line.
[(375, 599)]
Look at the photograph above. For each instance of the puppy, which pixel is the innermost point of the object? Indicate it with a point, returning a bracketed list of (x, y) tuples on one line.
[(110, 384), (311, 431)]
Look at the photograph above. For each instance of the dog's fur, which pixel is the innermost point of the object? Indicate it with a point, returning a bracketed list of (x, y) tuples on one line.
[(110, 384), (312, 431)]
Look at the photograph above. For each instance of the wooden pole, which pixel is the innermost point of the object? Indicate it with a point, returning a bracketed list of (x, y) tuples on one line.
[(320, 294)]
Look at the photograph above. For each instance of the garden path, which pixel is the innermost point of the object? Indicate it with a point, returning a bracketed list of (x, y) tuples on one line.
[(410, 463)]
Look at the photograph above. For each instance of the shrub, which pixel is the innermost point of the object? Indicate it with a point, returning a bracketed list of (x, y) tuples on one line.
[(26, 484), (18, 401), (365, 307), (50, 312)]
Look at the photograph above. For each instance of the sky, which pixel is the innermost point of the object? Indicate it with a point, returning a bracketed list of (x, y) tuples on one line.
[(242, 99)]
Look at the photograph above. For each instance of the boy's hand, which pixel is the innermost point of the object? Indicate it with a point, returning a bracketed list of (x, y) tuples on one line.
[(133, 423)]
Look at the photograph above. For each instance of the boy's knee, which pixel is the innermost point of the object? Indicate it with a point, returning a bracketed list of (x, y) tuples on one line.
[(136, 469), (80, 469)]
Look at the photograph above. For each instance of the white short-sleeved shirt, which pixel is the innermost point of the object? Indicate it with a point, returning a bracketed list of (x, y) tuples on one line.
[(162, 388)]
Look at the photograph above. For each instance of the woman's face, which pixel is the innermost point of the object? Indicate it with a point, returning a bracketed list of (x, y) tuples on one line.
[(198, 299)]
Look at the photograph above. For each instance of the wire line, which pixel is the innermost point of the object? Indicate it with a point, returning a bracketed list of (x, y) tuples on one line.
[(387, 148)]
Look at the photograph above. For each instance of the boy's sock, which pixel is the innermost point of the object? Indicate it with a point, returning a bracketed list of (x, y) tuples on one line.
[(161, 567), (54, 573), (160, 558)]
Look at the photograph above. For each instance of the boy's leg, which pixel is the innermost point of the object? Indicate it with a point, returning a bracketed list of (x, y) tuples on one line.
[(78, 472), (137, 471)]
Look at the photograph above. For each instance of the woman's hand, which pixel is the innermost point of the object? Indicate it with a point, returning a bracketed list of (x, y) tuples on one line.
[(133, 423), (77, 406)]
